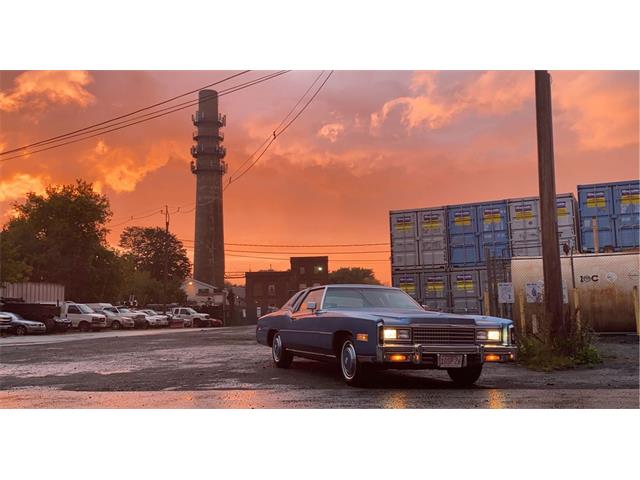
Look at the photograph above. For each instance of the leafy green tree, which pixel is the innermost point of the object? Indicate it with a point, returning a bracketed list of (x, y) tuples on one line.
[(61, 236), (353, 275), (146, 249), (13, 268)]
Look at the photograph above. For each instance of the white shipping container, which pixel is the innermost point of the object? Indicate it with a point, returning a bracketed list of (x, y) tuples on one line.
[(604, 282)]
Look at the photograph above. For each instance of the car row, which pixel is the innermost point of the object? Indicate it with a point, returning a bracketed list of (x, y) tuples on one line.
[(97, 316)]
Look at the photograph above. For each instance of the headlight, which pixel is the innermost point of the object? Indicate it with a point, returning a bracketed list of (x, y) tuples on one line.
[(397, 334), (492, 335)]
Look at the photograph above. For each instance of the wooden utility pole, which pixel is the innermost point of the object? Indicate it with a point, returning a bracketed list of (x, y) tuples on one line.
[(548, 208), (166, 259)]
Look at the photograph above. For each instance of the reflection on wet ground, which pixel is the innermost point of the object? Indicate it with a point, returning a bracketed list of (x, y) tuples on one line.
[(224, 368)]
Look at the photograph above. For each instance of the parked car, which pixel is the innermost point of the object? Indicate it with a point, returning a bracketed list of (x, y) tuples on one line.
[(191, 317), (139, 319), (160, 320), (117, 321), (21, 326), (82, 317), (5, 323), (364, 327), (47, 313)]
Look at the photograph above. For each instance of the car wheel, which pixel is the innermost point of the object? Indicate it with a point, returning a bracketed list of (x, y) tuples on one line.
[(353, 372), (465, 377), (116, 325), (281, 357), (146, 325), (21, 330), (84, 327)]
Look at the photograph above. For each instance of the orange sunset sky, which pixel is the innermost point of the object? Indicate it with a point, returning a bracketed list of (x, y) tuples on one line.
[(371, 141)]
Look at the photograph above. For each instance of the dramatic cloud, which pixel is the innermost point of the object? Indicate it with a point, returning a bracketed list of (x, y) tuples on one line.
[(38, 89), (331, 131), (20, 184)]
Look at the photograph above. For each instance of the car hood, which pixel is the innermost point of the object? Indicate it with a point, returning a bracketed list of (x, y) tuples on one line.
[(410, 317), (29, 323)]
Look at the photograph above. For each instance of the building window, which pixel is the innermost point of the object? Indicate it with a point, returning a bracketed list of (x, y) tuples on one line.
[(271, 290), (302, 286), (302, 271), (318, 269), (203, 292)]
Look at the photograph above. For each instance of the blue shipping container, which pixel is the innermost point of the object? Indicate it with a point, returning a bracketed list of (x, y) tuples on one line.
[(615, 209), (494, 229), (463, 235)]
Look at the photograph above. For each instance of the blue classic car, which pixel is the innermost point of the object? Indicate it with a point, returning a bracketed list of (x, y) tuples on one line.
[(364, 327)]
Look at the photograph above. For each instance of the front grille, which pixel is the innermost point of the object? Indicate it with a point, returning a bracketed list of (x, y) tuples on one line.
[(444, 335)]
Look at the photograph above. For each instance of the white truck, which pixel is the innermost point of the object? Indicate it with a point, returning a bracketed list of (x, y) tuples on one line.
[(82, 317), (191, 317)]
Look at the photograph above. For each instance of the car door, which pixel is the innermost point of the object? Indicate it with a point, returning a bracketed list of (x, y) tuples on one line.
[(304, 332)]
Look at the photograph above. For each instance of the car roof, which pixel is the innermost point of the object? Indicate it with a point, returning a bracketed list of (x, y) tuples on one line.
[(354, 285)]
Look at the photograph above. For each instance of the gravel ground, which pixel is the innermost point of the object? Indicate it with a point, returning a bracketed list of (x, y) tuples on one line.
[(225, 368)]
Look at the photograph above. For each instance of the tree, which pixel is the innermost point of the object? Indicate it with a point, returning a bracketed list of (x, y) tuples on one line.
[(353, 275), (61, 237), (145, 256), (146, 248), (13, 268)]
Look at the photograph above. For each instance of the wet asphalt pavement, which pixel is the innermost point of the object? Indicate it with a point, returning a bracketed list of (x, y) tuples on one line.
[(225, 368)]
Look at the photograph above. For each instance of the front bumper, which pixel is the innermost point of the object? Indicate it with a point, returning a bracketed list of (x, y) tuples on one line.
[(427, 356), (37, 329)]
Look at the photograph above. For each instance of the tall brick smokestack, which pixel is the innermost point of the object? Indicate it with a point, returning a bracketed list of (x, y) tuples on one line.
[(208, 166)]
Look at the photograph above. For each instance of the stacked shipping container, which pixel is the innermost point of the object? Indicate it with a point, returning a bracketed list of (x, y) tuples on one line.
[(439, 254), (610, 212)]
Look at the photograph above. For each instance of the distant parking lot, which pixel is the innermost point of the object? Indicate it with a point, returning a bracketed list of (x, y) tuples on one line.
[(225, 368)]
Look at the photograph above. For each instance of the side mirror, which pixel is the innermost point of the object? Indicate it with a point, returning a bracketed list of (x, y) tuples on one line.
[(312, 306)]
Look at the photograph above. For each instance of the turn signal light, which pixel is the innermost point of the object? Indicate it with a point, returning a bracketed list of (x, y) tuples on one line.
[(397, 357), (492, 357)]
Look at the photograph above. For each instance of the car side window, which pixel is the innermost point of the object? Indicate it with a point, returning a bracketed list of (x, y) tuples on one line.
[(312, 296), (73, 309)]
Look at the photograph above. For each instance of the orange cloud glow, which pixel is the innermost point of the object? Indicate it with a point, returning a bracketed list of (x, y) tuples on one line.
[(40, 88)]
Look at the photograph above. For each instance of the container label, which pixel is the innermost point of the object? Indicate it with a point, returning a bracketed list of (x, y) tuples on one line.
[(596, 200), (431, 221), (462, 218), (464, 282), (492, 215), (630, 196), (434, 285), (404, 224), (407, 285), (524, 212), (563, 211)]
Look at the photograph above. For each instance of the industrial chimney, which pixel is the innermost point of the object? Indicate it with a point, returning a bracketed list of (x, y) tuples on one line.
[(208, 166)]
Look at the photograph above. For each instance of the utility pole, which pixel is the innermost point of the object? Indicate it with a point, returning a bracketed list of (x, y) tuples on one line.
[(548, 208), (166, 259)]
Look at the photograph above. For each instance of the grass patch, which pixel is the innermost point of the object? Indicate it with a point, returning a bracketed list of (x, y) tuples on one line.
[(577, 350)]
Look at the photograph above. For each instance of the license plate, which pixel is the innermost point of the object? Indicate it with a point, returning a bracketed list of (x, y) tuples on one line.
[(450, 361)]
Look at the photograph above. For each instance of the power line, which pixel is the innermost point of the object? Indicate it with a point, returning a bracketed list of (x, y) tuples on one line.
[(188, 104), (277, 134), (296, 246), (49, 140)]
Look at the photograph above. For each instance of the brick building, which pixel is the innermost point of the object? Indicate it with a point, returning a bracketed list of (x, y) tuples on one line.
[(270, 289)]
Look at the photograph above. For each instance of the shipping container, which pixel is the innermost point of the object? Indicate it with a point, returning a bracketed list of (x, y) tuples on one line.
[(434, 290), (463, 235), (404, 239), (525, 225), (432, 237), (33, 292), (604, 284), (493, 232), (408, 282), (466, 292), (615, 209)]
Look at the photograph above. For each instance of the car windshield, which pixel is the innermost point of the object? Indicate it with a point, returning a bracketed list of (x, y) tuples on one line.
[(344, 298), (191, 311), (125, 310), (84, 309)]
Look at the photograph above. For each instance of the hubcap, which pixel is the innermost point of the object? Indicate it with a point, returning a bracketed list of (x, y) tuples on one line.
[(277, 348), (348, 360)]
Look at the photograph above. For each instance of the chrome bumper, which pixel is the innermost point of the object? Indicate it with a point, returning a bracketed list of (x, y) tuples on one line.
[(426, 356)]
